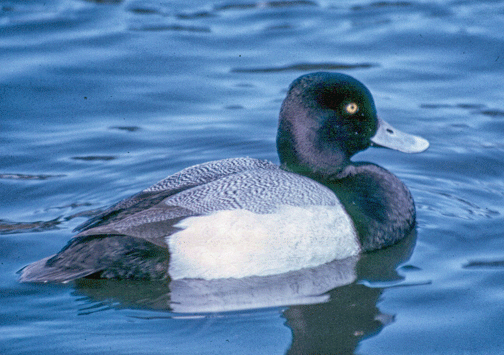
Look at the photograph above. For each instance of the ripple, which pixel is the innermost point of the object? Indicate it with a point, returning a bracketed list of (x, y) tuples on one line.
[(471, 106), (493, 113), (126, 128), (105, 1), (29, 177), (265, 4), (142, 10), (199, 14), (7, 227), (382, 4), (195, 15), (460, 125), (178, 28), (95, 157), (409, 267), (305, 67), (471, 209), (285, 26), (434, 106), (466, 106), (474, 107), (484, 264)]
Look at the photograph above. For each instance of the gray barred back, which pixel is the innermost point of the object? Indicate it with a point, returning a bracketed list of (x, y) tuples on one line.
[(257, 190), (203, 173)]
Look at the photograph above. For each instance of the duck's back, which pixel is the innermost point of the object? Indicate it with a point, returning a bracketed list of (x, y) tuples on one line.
[(255, 185)]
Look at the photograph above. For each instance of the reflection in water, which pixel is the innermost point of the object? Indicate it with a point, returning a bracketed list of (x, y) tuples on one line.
[(307, 286), (329, 311), (336, 326), (352, 314)]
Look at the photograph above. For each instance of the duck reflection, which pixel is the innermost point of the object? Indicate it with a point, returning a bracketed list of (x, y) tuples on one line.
[(352, 314), (327, 308)]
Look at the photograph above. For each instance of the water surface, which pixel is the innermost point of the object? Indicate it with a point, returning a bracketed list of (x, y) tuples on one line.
[(99, 99)]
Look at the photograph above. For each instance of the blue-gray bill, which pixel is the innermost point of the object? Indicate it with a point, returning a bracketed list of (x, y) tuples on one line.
[(389, 137)]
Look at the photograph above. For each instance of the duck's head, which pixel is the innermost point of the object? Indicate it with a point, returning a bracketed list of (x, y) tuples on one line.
[(328, 117)]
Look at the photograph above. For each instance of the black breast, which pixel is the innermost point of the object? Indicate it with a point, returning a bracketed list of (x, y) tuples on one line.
[(380, 205)]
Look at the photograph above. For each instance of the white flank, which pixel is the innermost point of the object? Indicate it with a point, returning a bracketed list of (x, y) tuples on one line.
[(240, 243)]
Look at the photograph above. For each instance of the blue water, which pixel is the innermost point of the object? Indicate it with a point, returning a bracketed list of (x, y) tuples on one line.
[(99, 99)]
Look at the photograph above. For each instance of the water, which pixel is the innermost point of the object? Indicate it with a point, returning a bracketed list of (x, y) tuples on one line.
[(101, 99)]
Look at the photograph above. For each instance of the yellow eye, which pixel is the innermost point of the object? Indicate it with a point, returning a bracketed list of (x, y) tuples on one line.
[(351, 108)]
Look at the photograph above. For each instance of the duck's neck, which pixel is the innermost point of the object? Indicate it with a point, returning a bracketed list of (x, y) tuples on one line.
[(380, 205), (314, 161), (302, 144)]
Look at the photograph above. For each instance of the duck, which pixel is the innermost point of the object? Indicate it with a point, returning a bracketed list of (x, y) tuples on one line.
[(246, 217)]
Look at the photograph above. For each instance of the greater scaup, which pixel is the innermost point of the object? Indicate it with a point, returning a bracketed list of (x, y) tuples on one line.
[(242, 217)]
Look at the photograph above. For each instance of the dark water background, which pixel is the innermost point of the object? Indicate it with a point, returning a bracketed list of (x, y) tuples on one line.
[(101, 99)]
